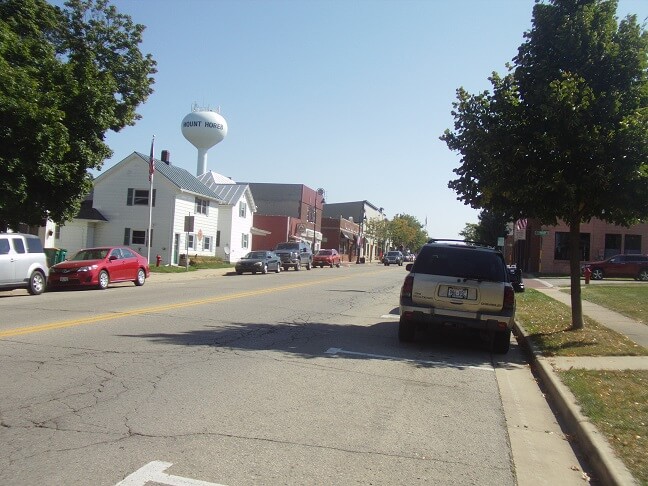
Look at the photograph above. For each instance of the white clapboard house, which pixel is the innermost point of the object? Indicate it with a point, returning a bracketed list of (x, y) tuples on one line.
[(188, 217)]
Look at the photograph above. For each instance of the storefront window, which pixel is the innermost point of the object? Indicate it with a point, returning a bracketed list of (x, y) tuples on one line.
[(561, 246)]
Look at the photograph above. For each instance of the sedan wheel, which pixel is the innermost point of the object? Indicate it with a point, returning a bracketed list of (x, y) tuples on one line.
[(278, 269), (597, 274), (141, 277), (104, 280), (264, 270), (643, 275)]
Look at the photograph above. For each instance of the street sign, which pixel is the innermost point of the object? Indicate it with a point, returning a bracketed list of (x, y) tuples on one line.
[(541, 232)]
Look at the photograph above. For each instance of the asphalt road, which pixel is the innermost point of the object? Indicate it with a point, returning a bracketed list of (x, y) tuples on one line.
[(291, 378)]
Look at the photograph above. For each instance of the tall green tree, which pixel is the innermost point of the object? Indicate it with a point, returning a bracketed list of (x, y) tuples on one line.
[(490, 227), (406, 231), (67, 76), (564, 135)]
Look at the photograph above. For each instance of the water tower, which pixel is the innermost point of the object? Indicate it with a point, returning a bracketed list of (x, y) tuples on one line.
[(204, 129)]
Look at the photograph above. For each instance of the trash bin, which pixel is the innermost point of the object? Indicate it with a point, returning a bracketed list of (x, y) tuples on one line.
[(183, 260), (60, 255), (54, 255), (50, 253)]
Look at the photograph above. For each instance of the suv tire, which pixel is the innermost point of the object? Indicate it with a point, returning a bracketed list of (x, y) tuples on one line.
[(36, 283), (502, 342), (406, 331)]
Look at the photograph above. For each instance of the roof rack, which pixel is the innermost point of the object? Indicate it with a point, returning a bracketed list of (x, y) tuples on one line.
[(465, 242)]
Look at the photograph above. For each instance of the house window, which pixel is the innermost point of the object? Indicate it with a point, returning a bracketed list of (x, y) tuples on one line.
[(242, 209), (244, 240), (612, 245), (57, 232), (190, 241), (207, 243), (202, 206), (633, 244), (217, 238), (561, 247), (139, 197), (139, 237)]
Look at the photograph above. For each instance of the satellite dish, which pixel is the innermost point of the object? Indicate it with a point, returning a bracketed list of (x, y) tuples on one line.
[(226, 249)]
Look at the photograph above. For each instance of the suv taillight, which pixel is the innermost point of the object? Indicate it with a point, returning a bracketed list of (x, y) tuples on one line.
[(509, 298), (406, 289)]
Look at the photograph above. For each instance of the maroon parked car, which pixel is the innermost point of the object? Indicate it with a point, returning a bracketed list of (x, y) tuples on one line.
[(631, 266), (326, 257), (97, 267)]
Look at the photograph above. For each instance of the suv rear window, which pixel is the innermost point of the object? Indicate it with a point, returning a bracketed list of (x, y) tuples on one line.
[(462, 262)]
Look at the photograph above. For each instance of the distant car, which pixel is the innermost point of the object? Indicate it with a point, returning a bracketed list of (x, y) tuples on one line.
[(326, 257), (515, 277), (631, 266), (261, 261), (98, 267), (294, 254), (23, 263), (408, 257), (393, 257)]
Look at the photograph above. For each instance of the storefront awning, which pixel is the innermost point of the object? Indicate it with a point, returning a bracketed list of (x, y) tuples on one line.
[(347, 234)]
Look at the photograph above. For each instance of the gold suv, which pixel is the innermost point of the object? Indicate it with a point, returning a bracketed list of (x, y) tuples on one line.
[(458, 285)]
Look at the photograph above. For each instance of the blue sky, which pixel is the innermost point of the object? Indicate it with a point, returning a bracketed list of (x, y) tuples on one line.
[(349, 96)]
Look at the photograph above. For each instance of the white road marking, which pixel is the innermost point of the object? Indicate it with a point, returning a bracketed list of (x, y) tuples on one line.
[(154, 472), (336, 351), (390, 316)]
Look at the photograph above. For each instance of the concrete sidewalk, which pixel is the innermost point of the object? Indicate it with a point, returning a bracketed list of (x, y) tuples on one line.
[(608, 467)]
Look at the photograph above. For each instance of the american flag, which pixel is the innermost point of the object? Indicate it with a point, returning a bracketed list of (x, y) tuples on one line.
[(521, 224), (152, 160)]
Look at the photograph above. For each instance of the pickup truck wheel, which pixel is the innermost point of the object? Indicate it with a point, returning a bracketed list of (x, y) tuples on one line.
[(308, 266), (502, 342), (406, 330), (298, 267), (643, 275)]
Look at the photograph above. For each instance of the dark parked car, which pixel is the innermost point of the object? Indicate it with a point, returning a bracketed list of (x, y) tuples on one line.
[(259, 261), (515, 276), (458, 286), (294, 254), (393, 258), (98, 267), (631, 266), (326, 257)]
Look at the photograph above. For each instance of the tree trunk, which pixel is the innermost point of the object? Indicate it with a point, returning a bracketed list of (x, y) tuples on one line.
[(574, 269)]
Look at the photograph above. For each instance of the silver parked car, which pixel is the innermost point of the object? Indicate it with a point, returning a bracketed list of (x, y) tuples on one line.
[(458, 286), (23, 263)]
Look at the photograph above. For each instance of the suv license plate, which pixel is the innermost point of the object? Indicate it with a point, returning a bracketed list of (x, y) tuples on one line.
[(455, 293)]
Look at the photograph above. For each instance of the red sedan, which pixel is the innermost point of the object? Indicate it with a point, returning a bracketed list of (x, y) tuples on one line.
[(326, 257), (97, 267)]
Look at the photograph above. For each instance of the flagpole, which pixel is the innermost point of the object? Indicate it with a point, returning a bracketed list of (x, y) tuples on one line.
[(150, 199)]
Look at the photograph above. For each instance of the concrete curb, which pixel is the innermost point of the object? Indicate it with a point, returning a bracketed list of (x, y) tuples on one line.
[(608, 468)]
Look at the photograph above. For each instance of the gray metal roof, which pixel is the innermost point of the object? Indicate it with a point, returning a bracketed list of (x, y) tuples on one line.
[(181, 178), (229, 193)]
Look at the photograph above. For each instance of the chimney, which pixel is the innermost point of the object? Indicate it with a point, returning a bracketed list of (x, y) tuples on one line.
[(166, 157)]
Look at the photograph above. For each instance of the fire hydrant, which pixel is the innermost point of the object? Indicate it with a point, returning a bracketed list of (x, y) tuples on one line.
[(587, 273), (158, 259)]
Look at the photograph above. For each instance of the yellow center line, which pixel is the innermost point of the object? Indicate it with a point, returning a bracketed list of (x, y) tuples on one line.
[(18, 331)]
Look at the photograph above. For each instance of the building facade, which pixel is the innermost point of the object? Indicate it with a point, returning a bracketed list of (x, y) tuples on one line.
[(545, 249)]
